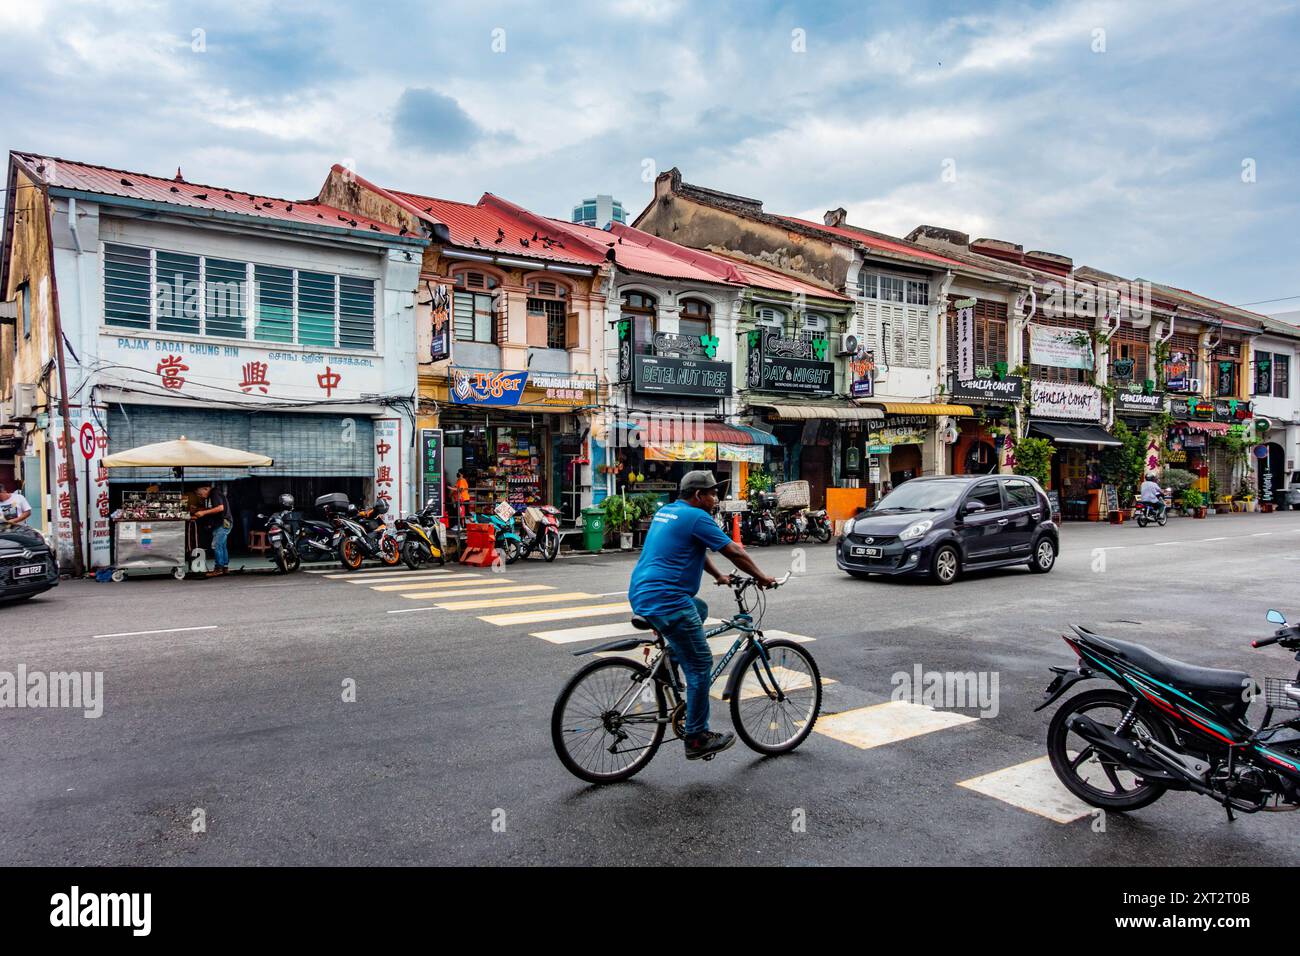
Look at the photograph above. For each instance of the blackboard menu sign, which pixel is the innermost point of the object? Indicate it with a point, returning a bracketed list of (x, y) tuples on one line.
[(1054, 501), (431, 469), (1112, 497)]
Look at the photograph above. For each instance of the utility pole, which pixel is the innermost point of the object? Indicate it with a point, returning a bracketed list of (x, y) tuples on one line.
[(78, 561)]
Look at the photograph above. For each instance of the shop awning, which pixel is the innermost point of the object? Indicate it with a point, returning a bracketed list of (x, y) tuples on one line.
[(923, 408), (1070, 434), (656, 433), (1205, 428), (809, 410)]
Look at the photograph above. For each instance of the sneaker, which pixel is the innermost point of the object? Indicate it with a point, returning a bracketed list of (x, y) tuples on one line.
[(707, 744)]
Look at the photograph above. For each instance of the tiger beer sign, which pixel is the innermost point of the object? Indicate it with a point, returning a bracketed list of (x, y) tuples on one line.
[(487, 387)]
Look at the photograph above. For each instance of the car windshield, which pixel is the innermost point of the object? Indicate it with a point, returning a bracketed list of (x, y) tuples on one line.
[(921, 496)]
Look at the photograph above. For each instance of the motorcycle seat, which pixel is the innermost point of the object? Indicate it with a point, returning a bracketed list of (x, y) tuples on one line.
[(1166, 669)]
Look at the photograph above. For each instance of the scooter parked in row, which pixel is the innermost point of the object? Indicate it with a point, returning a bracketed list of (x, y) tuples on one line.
[(423, 538), (508, 540), (294, 539), (363, 534), (540, 532)]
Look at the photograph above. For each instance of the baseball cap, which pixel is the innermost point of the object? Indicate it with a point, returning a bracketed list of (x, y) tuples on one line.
[(699, 481)]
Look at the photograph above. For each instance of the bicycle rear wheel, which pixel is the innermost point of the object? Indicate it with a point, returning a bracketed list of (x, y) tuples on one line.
[(596, 735), (775, 718)]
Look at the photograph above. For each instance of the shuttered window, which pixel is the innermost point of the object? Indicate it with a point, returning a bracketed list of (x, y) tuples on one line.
[(1129, 354), (356, 313), (183, 294), (225, 298), (176, 293), (126, 286), (274, 304), (472, 317), (316, 295), (894, 318)]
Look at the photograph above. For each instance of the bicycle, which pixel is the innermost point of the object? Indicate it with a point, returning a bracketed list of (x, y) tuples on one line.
[(611, 717)]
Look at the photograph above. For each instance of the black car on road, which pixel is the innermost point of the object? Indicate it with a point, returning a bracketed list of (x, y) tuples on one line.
[(942, 526), (27, 566)]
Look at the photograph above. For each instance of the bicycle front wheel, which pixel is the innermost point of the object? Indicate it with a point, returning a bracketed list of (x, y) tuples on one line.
[(608, 721), (774, 708)]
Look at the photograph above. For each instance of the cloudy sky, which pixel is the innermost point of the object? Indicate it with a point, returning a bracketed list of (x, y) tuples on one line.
[(1119, 133)]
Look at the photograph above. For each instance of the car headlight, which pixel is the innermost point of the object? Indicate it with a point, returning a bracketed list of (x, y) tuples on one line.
[(916, 530)]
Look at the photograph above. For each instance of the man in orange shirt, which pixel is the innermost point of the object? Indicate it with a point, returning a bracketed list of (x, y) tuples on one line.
[(462, 495)]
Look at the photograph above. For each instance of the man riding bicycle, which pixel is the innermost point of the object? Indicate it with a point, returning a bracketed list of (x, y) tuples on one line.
[(663, 587)]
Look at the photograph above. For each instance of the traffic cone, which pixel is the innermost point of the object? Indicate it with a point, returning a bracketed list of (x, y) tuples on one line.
[(735, 526)]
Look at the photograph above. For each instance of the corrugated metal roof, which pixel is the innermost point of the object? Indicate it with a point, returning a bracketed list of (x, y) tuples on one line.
[(494, 227), (106, 181)]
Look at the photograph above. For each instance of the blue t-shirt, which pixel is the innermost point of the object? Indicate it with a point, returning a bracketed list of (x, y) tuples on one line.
[(672, 562)]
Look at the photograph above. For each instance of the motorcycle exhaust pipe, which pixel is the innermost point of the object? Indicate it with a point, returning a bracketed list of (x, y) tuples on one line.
[(1123, 751)]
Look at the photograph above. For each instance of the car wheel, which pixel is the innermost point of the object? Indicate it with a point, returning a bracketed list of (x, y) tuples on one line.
[(946, 565), (1044, 558)]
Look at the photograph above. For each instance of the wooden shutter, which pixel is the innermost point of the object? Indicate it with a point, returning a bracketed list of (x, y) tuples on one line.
[(572, 331)]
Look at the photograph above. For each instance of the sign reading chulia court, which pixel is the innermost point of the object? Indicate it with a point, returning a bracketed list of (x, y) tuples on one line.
[(1010, 389), (1066, 400)]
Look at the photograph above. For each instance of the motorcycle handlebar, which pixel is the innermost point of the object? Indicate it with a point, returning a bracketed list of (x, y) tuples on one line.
[(1266, 641)]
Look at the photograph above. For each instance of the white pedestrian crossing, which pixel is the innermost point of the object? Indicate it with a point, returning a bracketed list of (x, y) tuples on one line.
[(434, 595), (450, 581), (1031, 786), (557, 614), (489, 603)]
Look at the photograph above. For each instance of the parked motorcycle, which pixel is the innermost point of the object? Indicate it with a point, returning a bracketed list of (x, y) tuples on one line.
[(544, 537), (758, 524), (1174, 726), (421, 542), (1145, 512), (366, 535), (295, 539), (798, 524), (508, 541)]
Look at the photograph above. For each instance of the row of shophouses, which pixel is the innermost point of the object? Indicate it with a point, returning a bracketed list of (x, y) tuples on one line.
[(378, 342)]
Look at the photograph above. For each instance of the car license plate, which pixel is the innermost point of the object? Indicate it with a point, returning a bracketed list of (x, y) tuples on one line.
[(859, 552), (29, 570)]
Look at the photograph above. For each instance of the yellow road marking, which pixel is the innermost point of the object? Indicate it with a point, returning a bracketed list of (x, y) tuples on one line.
[(508, 602), (431, 595), (556, 614), (462, 581)]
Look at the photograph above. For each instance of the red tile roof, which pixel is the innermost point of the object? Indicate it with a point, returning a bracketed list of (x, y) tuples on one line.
[(106, 181), (638, 251), (879, 243), (499, 227)]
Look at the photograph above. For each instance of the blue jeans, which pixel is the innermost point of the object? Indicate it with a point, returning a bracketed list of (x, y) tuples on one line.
[(219, 535), (684, 633)]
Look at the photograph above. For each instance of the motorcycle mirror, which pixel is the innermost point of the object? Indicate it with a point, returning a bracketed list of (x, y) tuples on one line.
[(1276, 617)]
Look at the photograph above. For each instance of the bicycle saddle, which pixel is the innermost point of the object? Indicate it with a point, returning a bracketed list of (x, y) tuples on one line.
[(641, 624)]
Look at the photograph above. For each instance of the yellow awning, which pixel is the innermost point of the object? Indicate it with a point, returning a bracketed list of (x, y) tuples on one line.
[(921, 408)]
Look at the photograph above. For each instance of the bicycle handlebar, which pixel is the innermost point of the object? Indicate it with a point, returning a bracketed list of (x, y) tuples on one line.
[(740, 582)]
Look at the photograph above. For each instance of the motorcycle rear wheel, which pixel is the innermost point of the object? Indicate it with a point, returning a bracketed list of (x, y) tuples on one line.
[(509, 548), (1143, 520), (389, 554), (821, 532), (1083, 771), (287, 560), (412, 555)]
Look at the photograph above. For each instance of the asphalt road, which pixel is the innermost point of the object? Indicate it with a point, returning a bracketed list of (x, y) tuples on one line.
[(445, 754)]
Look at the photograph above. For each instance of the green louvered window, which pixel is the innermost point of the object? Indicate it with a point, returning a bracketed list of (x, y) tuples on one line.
[(274, 304)]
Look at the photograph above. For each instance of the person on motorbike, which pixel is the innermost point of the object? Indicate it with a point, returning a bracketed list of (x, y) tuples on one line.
[(1151, 495), (663, 587)]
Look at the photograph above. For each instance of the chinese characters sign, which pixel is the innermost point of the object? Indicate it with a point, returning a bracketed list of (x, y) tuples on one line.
[(389, 485), (89, 443)]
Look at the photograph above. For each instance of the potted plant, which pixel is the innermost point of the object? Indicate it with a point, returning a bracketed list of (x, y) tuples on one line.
[(1194, 502), (645, 505), (618, 519)]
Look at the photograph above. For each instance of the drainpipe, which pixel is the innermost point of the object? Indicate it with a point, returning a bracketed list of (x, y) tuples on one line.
[(69, 449)]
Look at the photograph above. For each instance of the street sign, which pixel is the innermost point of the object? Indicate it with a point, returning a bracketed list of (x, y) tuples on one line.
[(86, 438), (431, 469)]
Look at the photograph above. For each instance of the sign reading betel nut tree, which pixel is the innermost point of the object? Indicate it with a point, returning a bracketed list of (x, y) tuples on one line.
[(1066, 400)]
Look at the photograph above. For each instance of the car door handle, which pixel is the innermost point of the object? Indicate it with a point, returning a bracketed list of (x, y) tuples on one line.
[(1036, 515), (1002, 521)]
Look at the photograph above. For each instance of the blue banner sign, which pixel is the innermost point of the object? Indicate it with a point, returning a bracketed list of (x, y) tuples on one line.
[(487, 387)]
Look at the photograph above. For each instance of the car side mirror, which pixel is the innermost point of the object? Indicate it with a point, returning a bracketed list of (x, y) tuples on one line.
[(1276, 617), (973, 507)]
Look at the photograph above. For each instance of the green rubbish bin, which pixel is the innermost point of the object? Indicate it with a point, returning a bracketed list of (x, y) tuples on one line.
[(593, 529)]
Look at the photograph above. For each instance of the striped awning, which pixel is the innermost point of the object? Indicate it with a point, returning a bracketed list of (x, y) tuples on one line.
[(807, 410), (924, 408), (660, 433)]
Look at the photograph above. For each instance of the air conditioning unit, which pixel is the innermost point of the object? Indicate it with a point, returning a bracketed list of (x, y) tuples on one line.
[(24, 402), (848, 344)]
